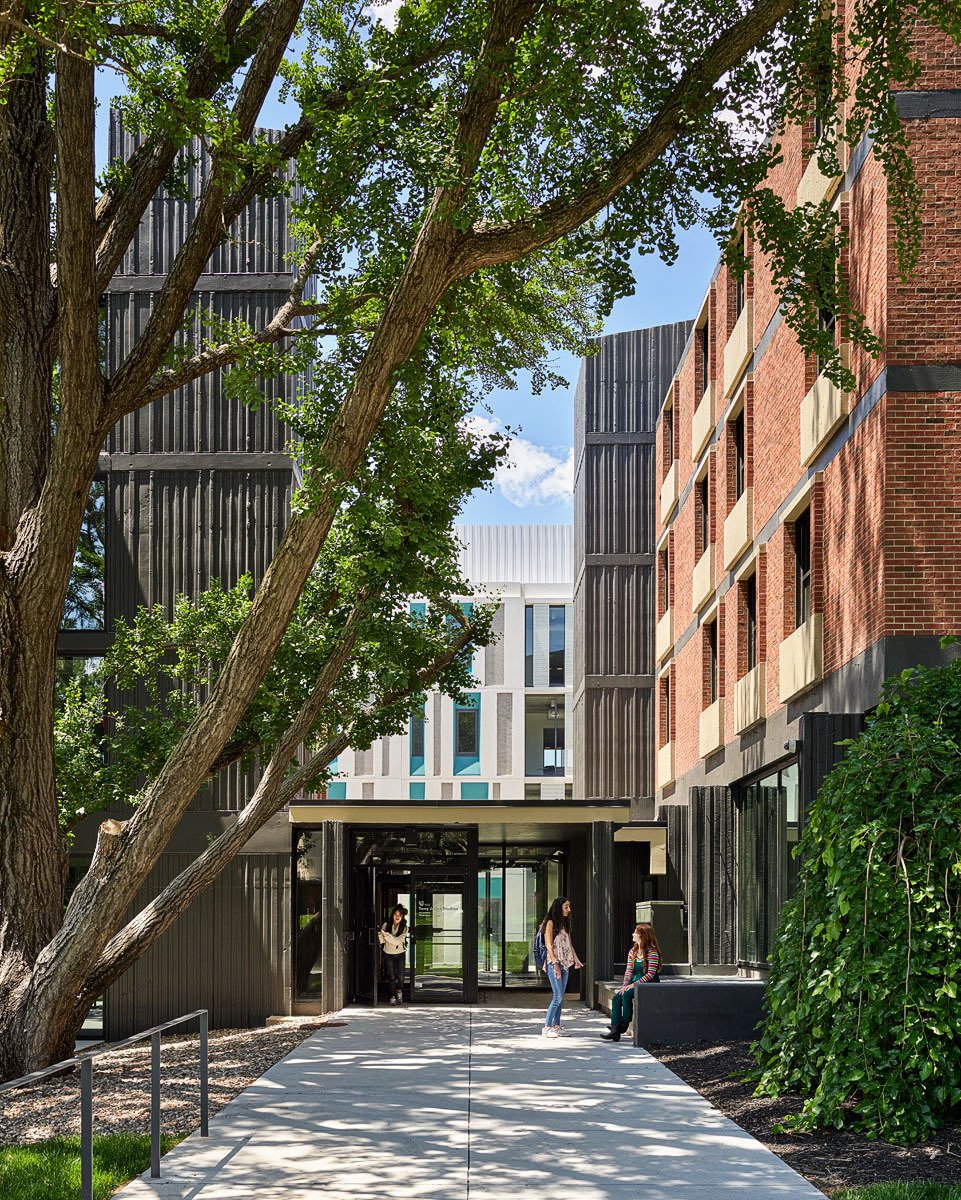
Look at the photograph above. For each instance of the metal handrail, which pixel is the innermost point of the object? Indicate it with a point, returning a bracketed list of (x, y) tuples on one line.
[(85, 1062)]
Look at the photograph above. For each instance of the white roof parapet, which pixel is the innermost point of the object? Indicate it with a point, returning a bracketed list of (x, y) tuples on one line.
[(517, 553)]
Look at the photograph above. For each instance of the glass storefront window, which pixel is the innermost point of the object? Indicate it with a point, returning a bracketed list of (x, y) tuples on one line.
[(308, 888), (515, 885)]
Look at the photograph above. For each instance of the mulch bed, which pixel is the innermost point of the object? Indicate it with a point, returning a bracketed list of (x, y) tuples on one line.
[(121, 1084), (831, 1160)]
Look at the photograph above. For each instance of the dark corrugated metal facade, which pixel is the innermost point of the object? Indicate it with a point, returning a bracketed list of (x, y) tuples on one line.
[(712, 880), (198, 489), (225, 954), (618, 397)]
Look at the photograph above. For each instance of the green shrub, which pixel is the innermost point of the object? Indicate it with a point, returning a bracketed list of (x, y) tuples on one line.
[(50, 1170), (861, 1007)]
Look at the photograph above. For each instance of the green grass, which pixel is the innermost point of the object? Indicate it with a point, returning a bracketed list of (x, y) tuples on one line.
[(901, 1191), (50, 1170)]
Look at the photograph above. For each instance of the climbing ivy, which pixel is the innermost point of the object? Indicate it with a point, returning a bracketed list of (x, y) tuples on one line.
[(862, 1008)]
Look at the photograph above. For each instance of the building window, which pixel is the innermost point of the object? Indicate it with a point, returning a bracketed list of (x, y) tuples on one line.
[(668, 436), (665, 559), (553, 749), (750, 616), (467, 730), (737, 431), (827, 323), (84, 603), (712, 663), (529, 646), (703, 493), (556, 646), (467, 736), (823, 98), (740, 293), (666, 709), (544, 740), (417, 724), (704, 345), (802, 568)]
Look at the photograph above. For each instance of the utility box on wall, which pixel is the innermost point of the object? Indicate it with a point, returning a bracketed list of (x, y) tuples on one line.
[(667, 918)]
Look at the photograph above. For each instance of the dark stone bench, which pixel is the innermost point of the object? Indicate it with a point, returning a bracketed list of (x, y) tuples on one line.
[(691, 1008)]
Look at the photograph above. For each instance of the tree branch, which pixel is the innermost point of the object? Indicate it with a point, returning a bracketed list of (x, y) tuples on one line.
[(97, 907), (276, 789), (490, 244), (121, 207), (144, 359)]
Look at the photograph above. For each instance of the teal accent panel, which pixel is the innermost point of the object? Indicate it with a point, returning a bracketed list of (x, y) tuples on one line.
[(337, 790), (474, 791), (417, 791)]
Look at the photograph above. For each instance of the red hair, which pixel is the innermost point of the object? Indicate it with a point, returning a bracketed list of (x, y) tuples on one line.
[(648, 939)]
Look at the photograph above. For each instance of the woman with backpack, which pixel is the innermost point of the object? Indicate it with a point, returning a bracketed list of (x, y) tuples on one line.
[(392, 936), (561, 959), (643, 966)]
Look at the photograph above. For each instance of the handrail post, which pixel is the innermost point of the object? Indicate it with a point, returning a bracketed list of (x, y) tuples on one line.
[(204, 1078), (86, 1129), (155, 1106)]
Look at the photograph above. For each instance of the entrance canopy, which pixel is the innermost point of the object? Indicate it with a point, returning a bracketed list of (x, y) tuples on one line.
[(421, 812)]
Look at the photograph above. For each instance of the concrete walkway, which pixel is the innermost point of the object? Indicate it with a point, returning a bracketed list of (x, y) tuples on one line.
[(469, 1104)]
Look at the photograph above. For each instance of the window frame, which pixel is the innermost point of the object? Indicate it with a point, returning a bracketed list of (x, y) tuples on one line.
[(553, 669), (739, 438), (713, 663), (750, 622), (703, 491), (803, 582)]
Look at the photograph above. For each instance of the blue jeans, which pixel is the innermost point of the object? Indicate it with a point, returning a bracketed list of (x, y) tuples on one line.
[(558, 987)]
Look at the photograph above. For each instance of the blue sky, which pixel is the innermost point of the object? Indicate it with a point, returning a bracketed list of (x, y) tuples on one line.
[(536, 490)]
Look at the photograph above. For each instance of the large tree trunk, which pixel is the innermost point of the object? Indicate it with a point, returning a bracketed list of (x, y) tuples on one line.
[(32, 851)]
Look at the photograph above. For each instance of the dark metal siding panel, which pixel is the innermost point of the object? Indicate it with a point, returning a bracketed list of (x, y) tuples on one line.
[(198, 418), (619, 515), (228, 953), (259, 240), (625, 383), (623, 645), (619, 392), (712, 879), (678, 819), (820, 734), (172, 532), (618, 726)]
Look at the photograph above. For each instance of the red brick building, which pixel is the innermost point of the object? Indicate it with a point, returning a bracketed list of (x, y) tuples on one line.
[(808, 541)]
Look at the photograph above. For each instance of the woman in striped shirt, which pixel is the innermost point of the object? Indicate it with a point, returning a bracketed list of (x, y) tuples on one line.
[(643, 966)]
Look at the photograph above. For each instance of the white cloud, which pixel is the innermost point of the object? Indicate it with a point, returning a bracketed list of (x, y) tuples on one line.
[(385, 11), (533, 475)]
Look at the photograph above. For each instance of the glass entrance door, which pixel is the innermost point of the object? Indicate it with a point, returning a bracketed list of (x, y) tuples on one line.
[(438, 936), (515, 885)]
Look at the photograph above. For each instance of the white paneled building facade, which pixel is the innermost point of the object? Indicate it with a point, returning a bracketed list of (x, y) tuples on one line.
[(510, 741)]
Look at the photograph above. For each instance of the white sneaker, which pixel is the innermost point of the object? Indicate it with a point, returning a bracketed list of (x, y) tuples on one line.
[(549, 1031)]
